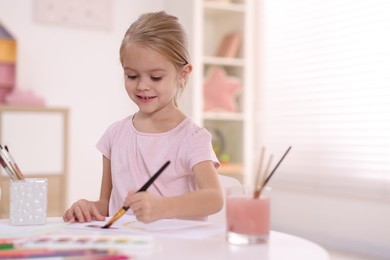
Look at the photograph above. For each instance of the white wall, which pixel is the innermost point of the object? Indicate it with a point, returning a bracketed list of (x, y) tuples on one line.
[(76, 68)]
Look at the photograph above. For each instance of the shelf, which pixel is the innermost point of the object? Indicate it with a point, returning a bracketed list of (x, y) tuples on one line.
[(212, 60), (223, 116), (217, 25), (34, 134), (216, 6), (30, 108), (234, 170), (230, 168)]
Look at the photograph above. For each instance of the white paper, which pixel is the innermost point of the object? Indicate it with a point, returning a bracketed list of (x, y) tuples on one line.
[(166, 227), (8, 231)]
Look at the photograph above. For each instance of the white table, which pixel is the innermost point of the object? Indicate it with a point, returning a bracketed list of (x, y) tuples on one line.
[(279, 246)]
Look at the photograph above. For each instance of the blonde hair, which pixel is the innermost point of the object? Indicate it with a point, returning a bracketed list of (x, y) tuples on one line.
[(162, 33)]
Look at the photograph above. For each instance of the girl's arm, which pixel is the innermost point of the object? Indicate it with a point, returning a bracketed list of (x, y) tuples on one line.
[(84, 210), (201, 203), (105, 188)]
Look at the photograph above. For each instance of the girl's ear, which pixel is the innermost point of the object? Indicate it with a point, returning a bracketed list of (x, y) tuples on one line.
[(185, 72)]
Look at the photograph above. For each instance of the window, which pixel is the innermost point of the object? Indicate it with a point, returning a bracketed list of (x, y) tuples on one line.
[(325, 90)]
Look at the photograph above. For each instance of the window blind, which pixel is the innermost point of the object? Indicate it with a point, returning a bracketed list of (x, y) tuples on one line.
[(325, 90)]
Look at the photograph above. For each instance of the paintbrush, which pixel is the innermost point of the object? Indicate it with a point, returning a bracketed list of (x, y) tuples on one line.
[(7, 165), (123, 210), (273, 171), (259, 184), (8, 169), (18, 172), (259, 175)]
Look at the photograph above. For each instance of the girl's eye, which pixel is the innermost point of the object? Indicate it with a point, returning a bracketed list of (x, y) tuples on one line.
[(132, 77), (156, 78)]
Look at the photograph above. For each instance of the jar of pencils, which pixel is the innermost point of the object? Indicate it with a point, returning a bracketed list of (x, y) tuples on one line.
[(28, 202)]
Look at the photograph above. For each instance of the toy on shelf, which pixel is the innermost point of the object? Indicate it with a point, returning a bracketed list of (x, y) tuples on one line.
[(24, 97), (9, 93), (230, 45), (220, 91), (7, 62), (218, 142)]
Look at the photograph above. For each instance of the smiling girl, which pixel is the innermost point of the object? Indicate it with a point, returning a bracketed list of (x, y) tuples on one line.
[(156, 69)]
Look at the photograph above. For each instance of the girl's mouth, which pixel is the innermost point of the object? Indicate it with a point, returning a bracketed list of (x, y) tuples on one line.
[(145, 97)]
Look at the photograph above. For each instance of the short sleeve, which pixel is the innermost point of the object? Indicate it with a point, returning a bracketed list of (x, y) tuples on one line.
[(200, 149), (105, 142)]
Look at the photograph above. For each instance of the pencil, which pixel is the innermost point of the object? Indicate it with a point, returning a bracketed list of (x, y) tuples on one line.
[(123, 210)]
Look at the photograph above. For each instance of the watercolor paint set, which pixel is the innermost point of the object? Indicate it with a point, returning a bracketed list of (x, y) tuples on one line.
[(127, 242)]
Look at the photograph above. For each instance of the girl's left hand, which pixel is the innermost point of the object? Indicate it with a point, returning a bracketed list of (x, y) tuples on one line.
[(146, 206)]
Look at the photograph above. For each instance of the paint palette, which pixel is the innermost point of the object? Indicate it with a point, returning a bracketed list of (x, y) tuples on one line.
[(89, 241)]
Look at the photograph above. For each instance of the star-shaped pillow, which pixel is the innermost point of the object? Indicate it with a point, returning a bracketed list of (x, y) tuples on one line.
[(220, 91)]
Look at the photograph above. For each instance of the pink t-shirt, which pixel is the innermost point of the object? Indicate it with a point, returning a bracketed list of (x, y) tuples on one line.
[(136, 156)]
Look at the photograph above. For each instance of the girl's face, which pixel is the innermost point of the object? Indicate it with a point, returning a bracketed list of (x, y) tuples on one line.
[(151, 80)]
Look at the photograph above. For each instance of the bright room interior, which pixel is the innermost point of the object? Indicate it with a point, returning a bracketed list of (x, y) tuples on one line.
[(319, 77)]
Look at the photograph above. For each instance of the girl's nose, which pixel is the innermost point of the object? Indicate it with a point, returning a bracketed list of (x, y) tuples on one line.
[(143, 85)]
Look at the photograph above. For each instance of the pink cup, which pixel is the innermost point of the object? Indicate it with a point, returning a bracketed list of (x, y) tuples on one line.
[(248, 219)]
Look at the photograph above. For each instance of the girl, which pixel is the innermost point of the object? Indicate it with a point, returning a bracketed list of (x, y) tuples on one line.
[(156, 67)]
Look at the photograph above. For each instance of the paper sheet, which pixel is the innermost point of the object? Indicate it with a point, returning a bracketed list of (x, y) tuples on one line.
[(8, 231), (165, 227)]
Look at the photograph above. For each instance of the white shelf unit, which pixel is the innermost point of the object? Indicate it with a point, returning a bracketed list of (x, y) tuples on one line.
[(212, 21), (38, 140)]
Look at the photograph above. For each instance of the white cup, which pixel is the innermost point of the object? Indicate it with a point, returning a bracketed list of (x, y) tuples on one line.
[(28, 202)]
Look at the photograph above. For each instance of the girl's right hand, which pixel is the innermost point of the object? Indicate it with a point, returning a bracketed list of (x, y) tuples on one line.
[(83, 211)]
